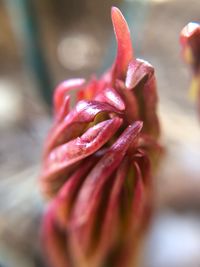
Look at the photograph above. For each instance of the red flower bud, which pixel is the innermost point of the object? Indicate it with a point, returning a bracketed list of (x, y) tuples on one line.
[(190, 43), (97, 163)]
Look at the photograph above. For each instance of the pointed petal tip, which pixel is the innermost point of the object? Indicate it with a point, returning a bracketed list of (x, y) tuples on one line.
[(115, 10), (118, 20), (138, 125)]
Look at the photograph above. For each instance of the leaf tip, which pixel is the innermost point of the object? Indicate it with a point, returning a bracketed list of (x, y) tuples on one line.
[(124, 42)]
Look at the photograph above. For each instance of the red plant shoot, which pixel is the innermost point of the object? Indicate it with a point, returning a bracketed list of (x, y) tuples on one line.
[(98, 162)]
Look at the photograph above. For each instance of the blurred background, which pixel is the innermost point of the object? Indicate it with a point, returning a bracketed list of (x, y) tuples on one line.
[(43, 42)]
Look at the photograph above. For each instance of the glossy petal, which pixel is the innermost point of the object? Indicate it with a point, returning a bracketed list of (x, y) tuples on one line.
[(67, 154), (112, 97), (138, 70), (75, 122)]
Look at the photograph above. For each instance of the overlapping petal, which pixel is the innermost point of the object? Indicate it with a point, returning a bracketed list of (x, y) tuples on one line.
[(97, 164), (76, 122), (59, 159), (83, 214)]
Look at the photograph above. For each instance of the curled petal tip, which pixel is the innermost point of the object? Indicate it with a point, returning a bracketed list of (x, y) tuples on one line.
[(138, 70), (124, 43)]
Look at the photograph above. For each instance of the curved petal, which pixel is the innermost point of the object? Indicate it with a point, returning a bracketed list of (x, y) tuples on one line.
[(90, 196), (65, 199), (112, 219), (137, 71), (81, 147), (149, 113), (131, 113), (141, 78), (75, 122), (111, 96), (133, 231), (124, 44), (139, 197)]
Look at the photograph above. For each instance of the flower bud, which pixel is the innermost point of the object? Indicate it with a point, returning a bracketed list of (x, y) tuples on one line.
[(97, 163), (190, 44)]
